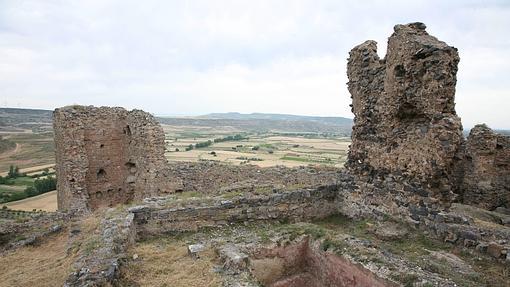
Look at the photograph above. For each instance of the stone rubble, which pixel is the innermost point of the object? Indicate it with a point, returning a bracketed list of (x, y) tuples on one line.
[(195, 249)]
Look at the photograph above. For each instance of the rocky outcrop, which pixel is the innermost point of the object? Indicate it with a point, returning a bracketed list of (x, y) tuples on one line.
[(405, 121), (107, 156), (487, 169)]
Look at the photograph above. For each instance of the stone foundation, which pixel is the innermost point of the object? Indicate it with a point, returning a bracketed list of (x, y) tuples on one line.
[(158, 217)]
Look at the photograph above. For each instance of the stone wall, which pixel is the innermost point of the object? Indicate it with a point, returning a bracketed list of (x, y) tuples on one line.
[(100, 265), (487, 169), (158, 218), (215, 178), (107, 156), (405, 121)]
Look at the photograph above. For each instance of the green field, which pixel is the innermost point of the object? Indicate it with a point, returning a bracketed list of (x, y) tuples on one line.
[(15, 191), (262, 149)]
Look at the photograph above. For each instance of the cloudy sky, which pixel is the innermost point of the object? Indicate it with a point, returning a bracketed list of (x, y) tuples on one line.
[(196, 57)]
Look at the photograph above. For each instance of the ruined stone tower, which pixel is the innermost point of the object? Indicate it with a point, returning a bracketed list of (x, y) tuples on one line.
[(107, 156), (405, 121), (486, 169)]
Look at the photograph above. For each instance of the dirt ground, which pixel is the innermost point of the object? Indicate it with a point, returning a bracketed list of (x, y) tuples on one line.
[(166, 263), (46, 201), (43, 265)]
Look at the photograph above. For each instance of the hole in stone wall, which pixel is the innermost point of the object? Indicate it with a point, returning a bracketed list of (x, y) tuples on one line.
[(101, 145), (127, 130), (408, 112), (498, 146), (131, 167), (399, 71), (101, 174)]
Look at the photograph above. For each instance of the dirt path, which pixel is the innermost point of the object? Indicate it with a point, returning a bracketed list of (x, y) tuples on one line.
[(10, 152), (46, 201)]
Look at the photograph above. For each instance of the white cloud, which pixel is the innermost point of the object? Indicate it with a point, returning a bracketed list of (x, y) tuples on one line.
[(193, 57)]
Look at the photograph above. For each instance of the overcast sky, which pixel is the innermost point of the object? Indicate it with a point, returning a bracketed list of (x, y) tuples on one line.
[(196, 57)]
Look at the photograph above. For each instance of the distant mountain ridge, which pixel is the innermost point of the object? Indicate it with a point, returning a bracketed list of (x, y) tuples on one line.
[(280, 117), (262, 122), (41, 120)]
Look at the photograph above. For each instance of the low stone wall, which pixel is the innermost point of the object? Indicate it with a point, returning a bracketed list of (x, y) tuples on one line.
[(394, 197), (156, 219), (21, 228), (100, 265)]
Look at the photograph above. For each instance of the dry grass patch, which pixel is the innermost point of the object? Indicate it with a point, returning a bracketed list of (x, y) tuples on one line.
[(166, 263), (44, 265)]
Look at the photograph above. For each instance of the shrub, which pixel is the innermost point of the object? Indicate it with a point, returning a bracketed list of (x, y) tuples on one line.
[(45, 184), (30, 191), (203, 144)]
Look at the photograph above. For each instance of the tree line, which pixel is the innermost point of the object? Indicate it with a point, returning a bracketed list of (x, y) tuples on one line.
[(237, 137)]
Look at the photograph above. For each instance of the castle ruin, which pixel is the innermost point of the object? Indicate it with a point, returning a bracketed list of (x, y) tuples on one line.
[(408, 165), (405, 121), (107, 156)]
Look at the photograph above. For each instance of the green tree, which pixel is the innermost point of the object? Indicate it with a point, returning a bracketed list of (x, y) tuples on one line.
[(13, 172)]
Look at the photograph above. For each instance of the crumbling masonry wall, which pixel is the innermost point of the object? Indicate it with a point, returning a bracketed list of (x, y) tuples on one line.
[(405, 121), (162, 216), (107, 156), (486, 169), (406, 129)]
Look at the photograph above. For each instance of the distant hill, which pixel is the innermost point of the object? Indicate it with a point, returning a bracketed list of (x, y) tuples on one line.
[(280, 117), (15, 120), (260, 122)]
